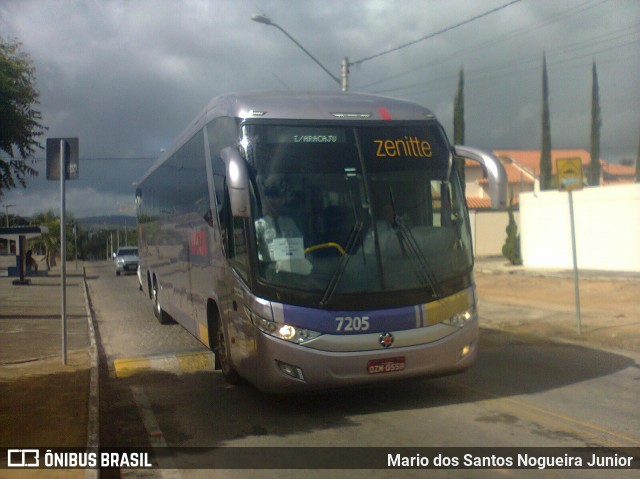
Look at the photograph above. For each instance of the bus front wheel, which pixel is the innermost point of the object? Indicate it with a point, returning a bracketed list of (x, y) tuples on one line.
[(223, 355)]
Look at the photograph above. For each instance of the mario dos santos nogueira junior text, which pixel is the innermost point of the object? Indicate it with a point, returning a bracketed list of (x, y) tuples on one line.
[(525, 461)]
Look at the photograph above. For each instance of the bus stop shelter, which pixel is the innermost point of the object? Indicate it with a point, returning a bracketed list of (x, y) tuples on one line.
[(20, 234)]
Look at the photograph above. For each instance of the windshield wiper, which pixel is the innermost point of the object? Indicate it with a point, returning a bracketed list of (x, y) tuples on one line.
[(426, 275), (354, 237)]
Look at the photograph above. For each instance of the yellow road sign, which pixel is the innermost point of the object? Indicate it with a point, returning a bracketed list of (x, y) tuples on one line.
[(569, 174)]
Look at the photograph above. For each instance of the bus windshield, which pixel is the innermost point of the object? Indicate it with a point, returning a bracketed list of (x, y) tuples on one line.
[(342, 210)]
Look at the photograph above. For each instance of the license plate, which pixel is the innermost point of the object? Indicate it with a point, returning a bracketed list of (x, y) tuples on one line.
[(379, 366)]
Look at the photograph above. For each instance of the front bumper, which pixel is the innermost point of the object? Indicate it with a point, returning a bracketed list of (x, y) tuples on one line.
[(451, 350)]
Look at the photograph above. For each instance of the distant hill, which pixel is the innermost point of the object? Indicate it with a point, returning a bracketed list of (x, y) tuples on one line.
[(107, 221)]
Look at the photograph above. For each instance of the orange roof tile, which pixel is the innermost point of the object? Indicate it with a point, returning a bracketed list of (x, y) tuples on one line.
[(530, 159), (475, 203), (514, 175), (619, 170)]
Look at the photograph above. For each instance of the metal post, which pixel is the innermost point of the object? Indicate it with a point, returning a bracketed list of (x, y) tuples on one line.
[(6, 214), (575, 264), (75, 242), (63, 252)]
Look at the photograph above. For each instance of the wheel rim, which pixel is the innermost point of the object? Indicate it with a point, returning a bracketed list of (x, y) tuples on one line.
[(155, 300)]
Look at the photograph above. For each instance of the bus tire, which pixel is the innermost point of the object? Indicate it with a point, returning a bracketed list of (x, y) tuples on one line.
[(221, 350), (160, 314), (149, 289)]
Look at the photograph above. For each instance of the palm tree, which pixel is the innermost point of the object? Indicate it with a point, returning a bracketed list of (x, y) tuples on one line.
[(50, 241)]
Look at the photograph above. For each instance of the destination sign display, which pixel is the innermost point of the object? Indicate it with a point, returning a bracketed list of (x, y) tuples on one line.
[(308, 135)]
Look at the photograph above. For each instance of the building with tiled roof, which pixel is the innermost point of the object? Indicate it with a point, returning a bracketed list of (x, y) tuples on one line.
[(617, 174), (523, 168)]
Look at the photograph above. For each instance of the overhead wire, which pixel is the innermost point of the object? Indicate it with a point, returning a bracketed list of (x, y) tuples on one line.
[(572, 11), (439, 32), (555, 55), (498, 39)]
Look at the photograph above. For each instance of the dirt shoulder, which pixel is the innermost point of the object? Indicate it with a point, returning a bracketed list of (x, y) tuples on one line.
[(610, 308)]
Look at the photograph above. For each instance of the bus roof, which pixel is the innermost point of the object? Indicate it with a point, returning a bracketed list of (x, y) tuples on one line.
[(288, 105), (314, 106)]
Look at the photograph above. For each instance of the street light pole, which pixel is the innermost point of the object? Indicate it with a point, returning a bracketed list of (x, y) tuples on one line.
[(345, 63)]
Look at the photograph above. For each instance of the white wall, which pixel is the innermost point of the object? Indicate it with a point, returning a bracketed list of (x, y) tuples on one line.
[(489, 231), (472, 177), (607, 222)]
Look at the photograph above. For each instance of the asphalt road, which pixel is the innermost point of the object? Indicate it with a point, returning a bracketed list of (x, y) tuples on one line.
[(522, 392)]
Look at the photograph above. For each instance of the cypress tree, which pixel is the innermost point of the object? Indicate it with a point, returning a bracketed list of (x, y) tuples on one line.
[(458, 111), (458, 126), (545, 154), (511, 246), (638, 164), (596, 123)]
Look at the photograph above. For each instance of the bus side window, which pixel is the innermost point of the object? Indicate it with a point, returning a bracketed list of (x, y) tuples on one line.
[(221, 207), (240, 258), (222, 132), (234, 238)]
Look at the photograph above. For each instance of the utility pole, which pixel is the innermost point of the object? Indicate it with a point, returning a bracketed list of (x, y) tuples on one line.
[(345, 74), (6, 215)]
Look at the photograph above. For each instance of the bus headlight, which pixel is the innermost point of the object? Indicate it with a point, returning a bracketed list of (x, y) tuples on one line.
[(459, 320), (284, 331)]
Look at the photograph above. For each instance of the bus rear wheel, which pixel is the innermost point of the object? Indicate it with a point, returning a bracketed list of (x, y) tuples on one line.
[(161, 316)]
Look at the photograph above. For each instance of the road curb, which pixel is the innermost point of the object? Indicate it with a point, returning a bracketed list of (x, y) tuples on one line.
[(93, 431), (173, 363)]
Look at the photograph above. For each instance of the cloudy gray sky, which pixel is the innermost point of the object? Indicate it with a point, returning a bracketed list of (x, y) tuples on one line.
[(127, 76)]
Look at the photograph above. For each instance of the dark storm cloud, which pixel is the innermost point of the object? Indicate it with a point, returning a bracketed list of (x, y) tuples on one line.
[(127, 76)]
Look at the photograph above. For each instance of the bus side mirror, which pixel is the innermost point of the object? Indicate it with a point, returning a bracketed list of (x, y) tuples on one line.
[(496, 174), (237, 182)]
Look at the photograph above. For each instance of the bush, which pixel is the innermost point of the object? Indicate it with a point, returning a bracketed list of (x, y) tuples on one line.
[(511, 247)]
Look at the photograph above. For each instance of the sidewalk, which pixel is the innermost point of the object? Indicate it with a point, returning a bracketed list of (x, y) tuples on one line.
[(44, 403), (500, 265), (542, 303)]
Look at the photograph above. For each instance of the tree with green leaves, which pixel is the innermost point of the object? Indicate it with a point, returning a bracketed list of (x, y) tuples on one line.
[(596, 123), (20, 124), (545, 153), (50, 241), (458, 125)]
